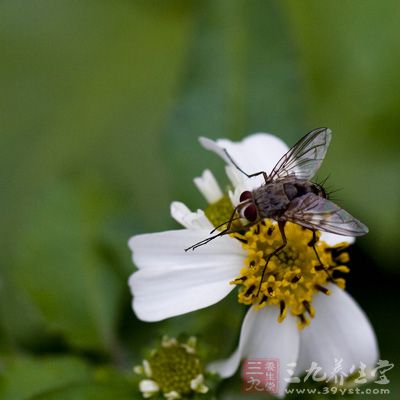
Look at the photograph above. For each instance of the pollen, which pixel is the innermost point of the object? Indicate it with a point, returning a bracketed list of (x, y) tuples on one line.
[(293, 276)]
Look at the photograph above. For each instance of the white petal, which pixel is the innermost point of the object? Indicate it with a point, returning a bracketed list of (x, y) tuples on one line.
[(147, 369), (208, 186), (189, 219), (239, 182), (255, 153), (234, 195), (160, 294), (172, 395), (236, 177), (197, 384), (171, 281), (167, 341), (263, 337), (332, 239), (138, 369), (339, 330), (167, 249), (214, 146), (148, 387)]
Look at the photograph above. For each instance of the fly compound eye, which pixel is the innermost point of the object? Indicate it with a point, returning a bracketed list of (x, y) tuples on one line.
[(250, 212), (246, 195)]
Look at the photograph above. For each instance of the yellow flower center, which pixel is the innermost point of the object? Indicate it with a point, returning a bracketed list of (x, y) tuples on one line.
[(174, 367), (220, 211), (293, 276)]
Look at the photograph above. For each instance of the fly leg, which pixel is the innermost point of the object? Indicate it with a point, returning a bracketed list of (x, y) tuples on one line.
[(281, 225), (240, 169), (312, 244)]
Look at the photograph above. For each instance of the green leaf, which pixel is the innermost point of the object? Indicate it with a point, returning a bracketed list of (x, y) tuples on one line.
[(24, 377), (62, 377), (85, 88), (62, 269), (89, 392)]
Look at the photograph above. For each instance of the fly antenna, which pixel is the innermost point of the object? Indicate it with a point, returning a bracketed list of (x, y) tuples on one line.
[(226, 231), (205, 241), (224, 223)]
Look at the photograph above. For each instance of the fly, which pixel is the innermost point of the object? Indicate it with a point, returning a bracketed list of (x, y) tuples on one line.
[(288, 195)]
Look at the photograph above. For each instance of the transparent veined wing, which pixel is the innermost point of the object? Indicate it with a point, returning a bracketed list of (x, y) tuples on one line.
[(305, 157), (315, 212)]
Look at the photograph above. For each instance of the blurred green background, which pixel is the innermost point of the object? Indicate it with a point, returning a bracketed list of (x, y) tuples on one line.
[(101, 106)]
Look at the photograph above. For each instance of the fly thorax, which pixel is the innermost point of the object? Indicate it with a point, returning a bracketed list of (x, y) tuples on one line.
[(270, 200)]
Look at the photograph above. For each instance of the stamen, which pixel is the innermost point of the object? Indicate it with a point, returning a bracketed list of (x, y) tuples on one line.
[(323, 289), (340, 282), (342, 268), (282, 311), (250, 290), (296, 278), (303, 321), (309, 308), (238, 281)]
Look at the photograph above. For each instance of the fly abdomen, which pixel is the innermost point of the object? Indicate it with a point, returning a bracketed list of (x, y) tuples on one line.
[(290, 190), (300, 188)]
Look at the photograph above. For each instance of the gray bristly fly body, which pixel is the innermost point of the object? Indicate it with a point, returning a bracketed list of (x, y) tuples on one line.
[(288, 195)]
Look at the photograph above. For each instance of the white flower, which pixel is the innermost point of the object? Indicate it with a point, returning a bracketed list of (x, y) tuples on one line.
[(173, 370), (171, 282)]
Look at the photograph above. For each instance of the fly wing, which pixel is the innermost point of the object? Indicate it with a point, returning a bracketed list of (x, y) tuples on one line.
[(315, 212), (305, 157)]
